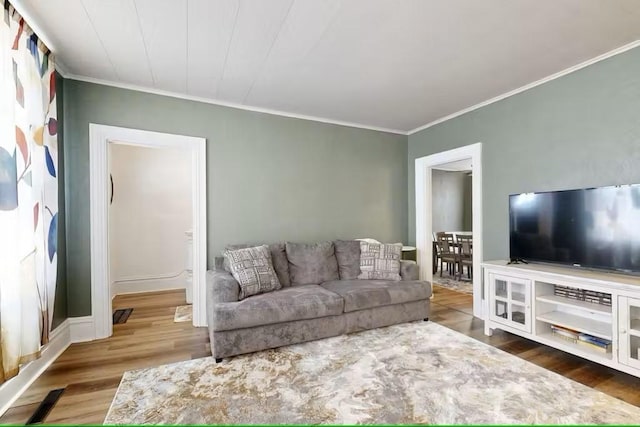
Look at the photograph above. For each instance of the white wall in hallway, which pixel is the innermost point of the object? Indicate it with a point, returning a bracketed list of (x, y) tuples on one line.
[(449, 200), (150, 213)]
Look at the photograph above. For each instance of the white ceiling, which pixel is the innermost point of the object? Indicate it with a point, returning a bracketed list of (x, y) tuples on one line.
[(393, 64)]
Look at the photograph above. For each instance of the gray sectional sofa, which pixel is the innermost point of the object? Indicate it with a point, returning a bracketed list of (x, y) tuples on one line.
[(308, 306)]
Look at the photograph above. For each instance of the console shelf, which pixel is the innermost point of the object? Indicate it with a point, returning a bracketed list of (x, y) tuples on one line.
[(578, 323), (580, 350), (538, 301), (572, 303)]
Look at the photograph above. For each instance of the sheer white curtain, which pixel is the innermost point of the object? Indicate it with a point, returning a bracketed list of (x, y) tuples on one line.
[(28, 193)]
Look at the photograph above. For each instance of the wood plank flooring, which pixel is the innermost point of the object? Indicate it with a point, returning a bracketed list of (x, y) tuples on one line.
[(92, 371)]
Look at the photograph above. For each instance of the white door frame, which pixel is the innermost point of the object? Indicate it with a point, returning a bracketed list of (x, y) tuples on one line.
[(424, 231), (99, 138)]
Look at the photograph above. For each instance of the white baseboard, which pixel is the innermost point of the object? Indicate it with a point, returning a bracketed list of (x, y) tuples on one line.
[(148, 284), (72, 330), (11, 390), (81, 329)]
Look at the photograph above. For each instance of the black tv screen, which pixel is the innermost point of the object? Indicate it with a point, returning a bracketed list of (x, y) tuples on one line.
[(593, 228)]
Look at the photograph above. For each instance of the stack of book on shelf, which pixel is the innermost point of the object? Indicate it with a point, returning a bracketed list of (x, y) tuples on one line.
[(595, 343)]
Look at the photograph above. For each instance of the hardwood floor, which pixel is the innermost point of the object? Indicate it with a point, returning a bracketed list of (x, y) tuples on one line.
[(92, 371), (453, 309)]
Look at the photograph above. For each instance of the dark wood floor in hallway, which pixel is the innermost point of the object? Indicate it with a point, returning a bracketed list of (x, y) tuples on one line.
[(92, 371)]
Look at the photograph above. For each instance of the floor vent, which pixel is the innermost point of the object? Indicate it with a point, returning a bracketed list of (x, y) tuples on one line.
[(121, 316), (45, 406)]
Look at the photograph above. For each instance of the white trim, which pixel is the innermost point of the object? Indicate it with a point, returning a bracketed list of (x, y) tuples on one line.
[(229, 104), (521, 89), (500, 97), (424, 232), (62, 69), (100, 136), (136, 285), (82, 329), (11, 390), (71, 330), (23, 10)]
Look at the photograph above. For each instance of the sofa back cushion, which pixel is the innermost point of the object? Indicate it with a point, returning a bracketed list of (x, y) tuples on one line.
[(278, 258), (380, 261), (348, 257), (311, 263), (253, 270)]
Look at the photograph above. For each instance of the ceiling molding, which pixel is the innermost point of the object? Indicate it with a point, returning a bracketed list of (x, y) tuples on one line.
[(23, 10), (521, 89), (229, 104), (498, 98)]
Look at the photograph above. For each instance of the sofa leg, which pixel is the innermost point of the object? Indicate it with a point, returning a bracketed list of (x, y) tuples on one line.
[(426, 319), (218, 360)]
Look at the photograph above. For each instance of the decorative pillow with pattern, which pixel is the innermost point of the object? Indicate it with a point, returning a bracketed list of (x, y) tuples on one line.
[(380, 261), (253, 269)]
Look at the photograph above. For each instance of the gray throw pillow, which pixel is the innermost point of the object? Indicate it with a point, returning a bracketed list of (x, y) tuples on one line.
[(348, 256), (311, 263), (278, 259), (253, 270), (380, 261)]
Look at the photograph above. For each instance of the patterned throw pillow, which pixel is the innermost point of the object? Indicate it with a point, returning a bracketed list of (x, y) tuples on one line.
[(253, 270), (380, 261)]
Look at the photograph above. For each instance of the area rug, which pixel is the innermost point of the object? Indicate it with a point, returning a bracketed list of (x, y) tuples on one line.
[(447, 281), (184, 313), (417, 372)]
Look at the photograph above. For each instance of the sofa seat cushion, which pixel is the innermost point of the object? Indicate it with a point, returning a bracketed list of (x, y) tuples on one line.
[(362, 294), (285, 305)]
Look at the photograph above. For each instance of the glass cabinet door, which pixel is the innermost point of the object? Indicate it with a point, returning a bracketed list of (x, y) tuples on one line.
[(510, 301), (629, 331)]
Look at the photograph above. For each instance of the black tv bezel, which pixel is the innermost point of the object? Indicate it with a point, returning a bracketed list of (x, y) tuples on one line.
[(577, 266)]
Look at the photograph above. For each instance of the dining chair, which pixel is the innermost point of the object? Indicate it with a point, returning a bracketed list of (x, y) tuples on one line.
[(465, 245), (446, 252)]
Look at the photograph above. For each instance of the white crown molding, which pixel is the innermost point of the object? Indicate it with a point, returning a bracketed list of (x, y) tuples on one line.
[(228, 104), (521, 89), (23, 10), (64, 72)]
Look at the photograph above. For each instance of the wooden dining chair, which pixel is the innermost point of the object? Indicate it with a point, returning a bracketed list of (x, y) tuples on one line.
[(465, 245), (446, 252)]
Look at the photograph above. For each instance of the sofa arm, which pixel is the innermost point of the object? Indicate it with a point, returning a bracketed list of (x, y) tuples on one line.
[(221, 287), (409, 270)]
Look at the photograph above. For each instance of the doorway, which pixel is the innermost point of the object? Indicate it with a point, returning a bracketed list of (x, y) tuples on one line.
[(150, 219), (428, 170), (101, 137)]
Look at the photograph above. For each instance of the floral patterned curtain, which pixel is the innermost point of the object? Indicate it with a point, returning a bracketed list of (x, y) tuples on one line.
[(28, 193)]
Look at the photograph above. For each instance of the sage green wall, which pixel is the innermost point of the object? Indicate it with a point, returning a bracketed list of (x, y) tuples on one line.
[(577, 131), (269, 178), (60, 302)]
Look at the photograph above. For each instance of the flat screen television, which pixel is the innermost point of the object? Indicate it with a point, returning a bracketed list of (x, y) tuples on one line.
[(595, 228)]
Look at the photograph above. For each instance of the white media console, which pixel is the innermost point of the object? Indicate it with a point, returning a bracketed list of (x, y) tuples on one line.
[(535, 301)]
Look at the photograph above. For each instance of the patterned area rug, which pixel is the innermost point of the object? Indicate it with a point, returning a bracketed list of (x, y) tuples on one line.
[(448, 281), (184, 313), (417, 372)]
